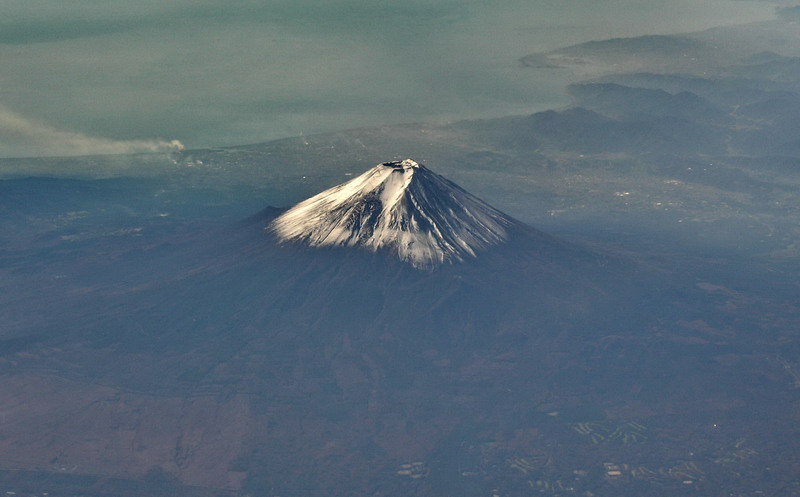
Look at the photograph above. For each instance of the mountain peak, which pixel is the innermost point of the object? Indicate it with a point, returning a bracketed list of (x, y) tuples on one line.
[(405, 165), (399, 206)]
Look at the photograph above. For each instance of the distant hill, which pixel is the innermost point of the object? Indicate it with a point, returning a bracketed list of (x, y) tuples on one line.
[(630, 103), (698, 54), (657, 53)]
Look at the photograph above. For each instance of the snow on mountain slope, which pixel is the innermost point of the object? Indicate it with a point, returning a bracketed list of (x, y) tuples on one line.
[(399, 206)]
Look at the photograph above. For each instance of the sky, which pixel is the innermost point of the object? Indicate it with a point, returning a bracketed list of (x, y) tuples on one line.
[(81, 77)]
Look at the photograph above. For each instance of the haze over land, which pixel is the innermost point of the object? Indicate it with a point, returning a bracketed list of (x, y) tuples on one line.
[(104, 77)]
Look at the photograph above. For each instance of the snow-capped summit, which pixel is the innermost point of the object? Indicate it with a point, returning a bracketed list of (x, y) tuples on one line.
[(399, 206)]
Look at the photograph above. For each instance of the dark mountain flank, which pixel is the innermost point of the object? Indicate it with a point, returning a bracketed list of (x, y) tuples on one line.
[(347, 360)]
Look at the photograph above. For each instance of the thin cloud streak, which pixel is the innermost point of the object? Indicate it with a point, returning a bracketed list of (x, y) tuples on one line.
[(20, 136)]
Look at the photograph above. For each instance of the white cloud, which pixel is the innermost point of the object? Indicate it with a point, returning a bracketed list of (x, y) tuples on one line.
[(20, 136)]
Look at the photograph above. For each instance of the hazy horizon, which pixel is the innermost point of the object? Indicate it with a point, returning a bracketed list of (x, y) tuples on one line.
[(117, 77)]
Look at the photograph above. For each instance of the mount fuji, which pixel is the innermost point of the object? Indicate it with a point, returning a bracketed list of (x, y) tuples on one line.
[(392, 319), (402, 207)]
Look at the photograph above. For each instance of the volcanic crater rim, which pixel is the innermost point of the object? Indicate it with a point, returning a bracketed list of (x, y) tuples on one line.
[(402, 165)]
